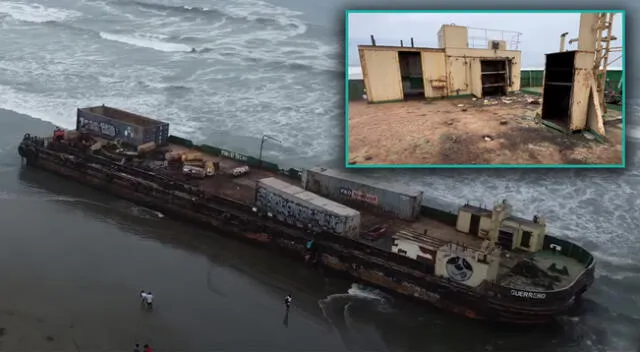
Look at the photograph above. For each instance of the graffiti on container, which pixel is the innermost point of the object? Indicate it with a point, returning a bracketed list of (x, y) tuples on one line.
[(104, 128), (233, 155), (298, 214), (128, 132), (358, 195)]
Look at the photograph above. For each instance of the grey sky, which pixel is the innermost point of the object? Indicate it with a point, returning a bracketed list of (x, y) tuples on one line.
[(540, 31)]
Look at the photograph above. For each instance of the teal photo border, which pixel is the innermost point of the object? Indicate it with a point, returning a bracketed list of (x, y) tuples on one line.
[(487, 166)]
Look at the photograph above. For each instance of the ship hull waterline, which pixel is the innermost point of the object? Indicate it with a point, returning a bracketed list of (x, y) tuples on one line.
[(441, 293)]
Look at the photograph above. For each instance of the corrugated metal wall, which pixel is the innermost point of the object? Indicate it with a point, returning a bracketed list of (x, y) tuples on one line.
[(349, 190), (528, 79)]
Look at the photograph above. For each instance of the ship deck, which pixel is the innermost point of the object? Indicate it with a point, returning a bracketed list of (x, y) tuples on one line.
[(432, 229), (242, 189)]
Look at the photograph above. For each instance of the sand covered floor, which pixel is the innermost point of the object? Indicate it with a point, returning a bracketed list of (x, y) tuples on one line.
[(469, 131)]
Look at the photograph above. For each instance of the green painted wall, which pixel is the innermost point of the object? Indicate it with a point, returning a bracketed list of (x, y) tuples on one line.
[(528, 78)]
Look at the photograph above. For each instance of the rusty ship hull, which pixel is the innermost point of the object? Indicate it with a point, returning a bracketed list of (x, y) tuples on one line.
[(356, 258)]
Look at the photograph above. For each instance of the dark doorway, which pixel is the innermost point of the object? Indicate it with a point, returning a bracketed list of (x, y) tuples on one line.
[(505, 238), (474, 226), (525, 241), (558, 86), (411, 73), (495, 77)]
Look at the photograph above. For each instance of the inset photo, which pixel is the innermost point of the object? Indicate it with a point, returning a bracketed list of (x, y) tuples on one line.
[(485, 89)]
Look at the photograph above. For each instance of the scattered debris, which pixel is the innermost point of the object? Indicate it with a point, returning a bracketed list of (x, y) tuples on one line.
[(490, 102), (588, 135), (464, 109), (368, 157), (533, 101), (503, 122), (487, 138), (450, 122)]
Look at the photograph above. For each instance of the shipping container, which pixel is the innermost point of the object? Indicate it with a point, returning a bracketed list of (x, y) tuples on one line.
[(111, 124), (401, 202), (296, 206)]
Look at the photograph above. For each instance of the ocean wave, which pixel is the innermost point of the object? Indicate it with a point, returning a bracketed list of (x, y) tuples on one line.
[(148, 41), (260, 13), (35, 13), (169, 88)]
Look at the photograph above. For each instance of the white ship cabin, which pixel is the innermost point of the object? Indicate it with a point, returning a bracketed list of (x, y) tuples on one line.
[(489, 245)]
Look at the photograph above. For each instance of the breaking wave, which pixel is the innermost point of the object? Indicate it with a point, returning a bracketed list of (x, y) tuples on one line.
[(35, 13), (381, 301), (342, 311), (146, 213), (264, 14), (146, 41)]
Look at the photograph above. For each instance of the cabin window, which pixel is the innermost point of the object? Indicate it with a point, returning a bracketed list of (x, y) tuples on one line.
[(402, 251), (525, 242)]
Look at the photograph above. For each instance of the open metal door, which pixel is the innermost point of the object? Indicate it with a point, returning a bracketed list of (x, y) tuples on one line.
[(476, 78), (381, 73)]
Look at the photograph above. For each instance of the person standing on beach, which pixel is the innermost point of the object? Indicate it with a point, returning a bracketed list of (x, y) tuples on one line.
[(137, 348), (148, 299), (287, 301), (147, 348)]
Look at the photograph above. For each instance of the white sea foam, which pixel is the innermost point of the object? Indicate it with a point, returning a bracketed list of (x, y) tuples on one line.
[(61, 111), (146, 41), (35, 13), (268, 59)]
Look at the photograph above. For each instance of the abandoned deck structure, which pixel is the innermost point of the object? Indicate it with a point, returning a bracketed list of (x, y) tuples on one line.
[(500, 130)]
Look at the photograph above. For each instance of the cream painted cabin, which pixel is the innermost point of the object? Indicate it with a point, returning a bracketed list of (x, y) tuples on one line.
[(473, 252), (393, 73)]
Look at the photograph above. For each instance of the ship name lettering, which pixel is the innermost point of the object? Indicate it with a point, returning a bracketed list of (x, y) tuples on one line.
[(233, 155), (525, 294)]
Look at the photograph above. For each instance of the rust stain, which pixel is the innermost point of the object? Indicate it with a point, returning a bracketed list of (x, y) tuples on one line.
[(260, 237)]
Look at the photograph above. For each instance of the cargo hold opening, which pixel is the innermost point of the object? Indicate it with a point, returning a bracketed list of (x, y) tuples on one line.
[(411, 74), (495, 77), (558, 85)]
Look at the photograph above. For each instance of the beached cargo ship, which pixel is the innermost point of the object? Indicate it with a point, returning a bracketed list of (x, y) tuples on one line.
[(482, 263)]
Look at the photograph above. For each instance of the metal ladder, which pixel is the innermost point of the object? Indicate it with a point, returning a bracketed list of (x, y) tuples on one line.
[(604, 38)]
